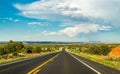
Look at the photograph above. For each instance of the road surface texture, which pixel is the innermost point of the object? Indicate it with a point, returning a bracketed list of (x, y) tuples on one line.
[(57, 63), (24, 66)]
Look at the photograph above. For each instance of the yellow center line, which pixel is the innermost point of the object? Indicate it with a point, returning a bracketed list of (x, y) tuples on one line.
[(37, 69)]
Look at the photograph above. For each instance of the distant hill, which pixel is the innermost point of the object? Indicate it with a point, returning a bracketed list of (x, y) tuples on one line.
[(43, 42), (50, 42)]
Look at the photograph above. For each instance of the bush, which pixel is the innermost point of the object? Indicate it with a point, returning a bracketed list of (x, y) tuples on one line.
[(37, 50), (94, 50), (104, 49), (2, 51), (13, 47), (15, 54), (84, 50), (27, 49)]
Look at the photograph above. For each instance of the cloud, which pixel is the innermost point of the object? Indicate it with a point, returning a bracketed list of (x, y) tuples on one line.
[(10, 19), (83, 29), (48, 33), (16, 20), (38, 23), (91, 11), (79, 29), (76, 17), (54, 10)]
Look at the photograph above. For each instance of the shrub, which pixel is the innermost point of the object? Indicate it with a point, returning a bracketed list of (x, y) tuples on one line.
[(2, 51), (15, 54), (37, 50), (27, 49)]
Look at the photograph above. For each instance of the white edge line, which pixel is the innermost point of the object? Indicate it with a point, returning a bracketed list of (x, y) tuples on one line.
[(85, 64)]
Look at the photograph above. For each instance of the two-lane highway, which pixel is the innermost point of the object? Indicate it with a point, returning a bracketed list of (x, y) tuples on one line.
[(65, 64), (23, 67), (57, 63)]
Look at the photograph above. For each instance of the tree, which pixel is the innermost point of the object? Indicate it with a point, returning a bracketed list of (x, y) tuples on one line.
[(14, 46), (2, 51), (84, 49), (94, 50), (37, 49), (27, 49), (105, 49), (11, 41), (19, 46)]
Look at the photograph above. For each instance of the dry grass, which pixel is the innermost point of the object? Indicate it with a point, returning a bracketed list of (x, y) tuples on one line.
[(9, 58), (106, 60)]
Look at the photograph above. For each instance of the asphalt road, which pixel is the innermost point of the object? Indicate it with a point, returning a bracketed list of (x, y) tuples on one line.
[(23, 67), (57, 63)]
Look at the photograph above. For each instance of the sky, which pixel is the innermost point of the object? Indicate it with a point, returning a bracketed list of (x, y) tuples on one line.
[(60, 20)]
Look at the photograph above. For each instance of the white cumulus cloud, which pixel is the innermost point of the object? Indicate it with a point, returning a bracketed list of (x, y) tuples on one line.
[(79, 29), (77, 16), (83, 29), (73, 10)]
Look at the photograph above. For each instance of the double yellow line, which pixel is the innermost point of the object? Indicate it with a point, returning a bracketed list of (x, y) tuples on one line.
[(37, 69)]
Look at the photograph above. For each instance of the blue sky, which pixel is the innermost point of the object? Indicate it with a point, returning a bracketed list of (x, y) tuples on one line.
[(60, 20)]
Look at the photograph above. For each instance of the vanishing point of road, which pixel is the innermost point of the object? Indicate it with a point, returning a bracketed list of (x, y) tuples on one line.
[(56, 63)]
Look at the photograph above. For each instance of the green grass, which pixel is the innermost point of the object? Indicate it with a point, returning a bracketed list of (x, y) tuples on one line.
[(110, 63), (27, 56)]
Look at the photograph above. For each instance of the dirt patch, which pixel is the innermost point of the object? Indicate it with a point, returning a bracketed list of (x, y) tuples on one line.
[(115, 52)]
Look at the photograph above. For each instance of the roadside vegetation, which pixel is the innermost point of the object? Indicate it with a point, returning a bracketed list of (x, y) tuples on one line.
[(17, 50), (107, 54), (102, 53)]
